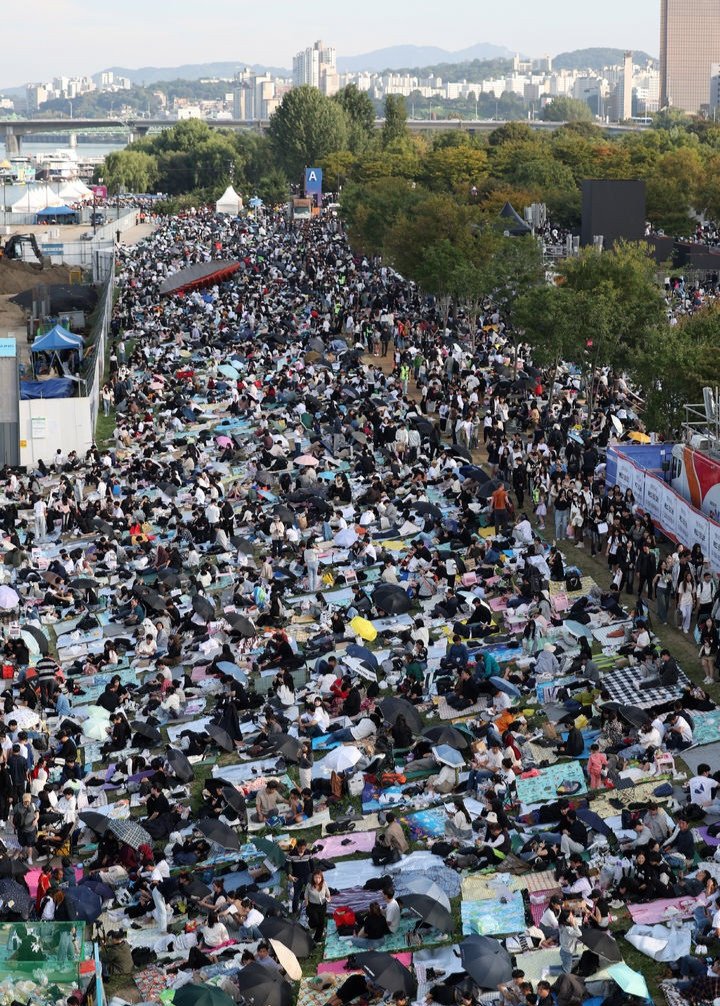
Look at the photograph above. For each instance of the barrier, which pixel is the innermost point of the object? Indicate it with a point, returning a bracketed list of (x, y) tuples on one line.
[(670, 512)]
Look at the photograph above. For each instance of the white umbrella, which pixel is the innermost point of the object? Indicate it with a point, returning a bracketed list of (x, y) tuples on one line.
[(8, 597), (287, 960), (308, 460), (618, 426), (26, 718), (345, 538), (341, 759), (361, 668)]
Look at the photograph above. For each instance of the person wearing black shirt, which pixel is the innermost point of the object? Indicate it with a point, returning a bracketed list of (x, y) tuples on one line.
[(157, 803), (299, 867), (465, 692)]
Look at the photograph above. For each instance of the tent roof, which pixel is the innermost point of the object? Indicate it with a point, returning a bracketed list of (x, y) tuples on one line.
[(199, 275), (56, 211), (55, 387), (57, 338), (229, 201), (510, 213)]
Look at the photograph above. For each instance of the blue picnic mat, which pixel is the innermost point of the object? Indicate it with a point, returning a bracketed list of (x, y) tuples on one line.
[(492, 916), (544, 787), (707, 726), (337, 947), (427, 823)]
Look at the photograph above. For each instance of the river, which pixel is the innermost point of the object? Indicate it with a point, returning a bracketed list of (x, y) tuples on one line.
[(83, 150)]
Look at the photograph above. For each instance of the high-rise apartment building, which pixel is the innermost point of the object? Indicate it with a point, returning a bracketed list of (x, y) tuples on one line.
[(315, 66), (689, 45)]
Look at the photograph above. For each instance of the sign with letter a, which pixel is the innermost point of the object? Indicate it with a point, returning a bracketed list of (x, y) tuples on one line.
[(313, 181)]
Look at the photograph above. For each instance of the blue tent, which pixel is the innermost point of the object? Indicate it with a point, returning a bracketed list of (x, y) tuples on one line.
[(57, 211), (56, 339)]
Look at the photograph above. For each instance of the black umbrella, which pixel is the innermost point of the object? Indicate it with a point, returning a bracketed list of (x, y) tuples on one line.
[(196, 889), (84, 583), (267, 904), (147, 731), (285, 745), (447, 735), (235, 799), (39, 637), (427, 508), (284, 513), (182, 769), (633, 715), (458, 451), (203, 607), (594, 821), (103, 527), (394, 602), (392, 707), (12, 867), (486, 490), (387, 972), (291, 934), (168, 488), (221, 737), (14, 899), (429, 910), (96, 822), (103, 891), (261, 986), (150, 598), (219, 833), (272, 851), (241, 624), (83, 903), (169, 577), (486, 961), (602, 944), (363, 653)]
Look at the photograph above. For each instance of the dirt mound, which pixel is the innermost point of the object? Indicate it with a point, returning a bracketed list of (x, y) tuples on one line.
[(16, 277)]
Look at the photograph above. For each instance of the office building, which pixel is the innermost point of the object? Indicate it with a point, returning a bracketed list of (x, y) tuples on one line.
[(689, 45)]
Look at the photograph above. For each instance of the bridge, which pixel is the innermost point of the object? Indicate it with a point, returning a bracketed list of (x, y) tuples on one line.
[(14, 130)]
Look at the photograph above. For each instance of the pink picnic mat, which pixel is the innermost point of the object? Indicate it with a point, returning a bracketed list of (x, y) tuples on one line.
[(537, 908), (338, 967), (654, 911), (32, 877), (336, 846)]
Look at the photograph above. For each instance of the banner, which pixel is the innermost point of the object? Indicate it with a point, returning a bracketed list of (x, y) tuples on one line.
[(638, 486), (714, 545), (625, 471), (653, 496), (669, 501)]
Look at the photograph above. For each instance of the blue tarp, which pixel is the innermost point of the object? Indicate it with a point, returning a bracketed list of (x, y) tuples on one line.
[(57, 338), (55, 387), (57, 211)]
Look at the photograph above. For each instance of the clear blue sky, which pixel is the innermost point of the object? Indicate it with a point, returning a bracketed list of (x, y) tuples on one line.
[(45, 38)]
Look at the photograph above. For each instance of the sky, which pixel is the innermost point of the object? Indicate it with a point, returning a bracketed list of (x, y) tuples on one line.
[(46, 38)]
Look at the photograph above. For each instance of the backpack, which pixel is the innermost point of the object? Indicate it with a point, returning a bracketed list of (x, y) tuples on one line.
[(573, 582), (344, 916)]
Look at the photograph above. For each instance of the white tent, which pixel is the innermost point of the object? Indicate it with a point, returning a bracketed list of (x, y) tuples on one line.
[(229, 202)]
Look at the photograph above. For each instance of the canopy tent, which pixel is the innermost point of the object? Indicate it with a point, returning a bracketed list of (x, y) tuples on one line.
[(229, 202), (58, 338), (37, 196), (56, 213), (519, 226), (199, 275), (55, 387)]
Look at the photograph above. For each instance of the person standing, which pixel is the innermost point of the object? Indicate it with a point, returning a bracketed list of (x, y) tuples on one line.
[(499, 502), (40, 511), (317, 898), (26, 819), (311, 558), (569, 933)]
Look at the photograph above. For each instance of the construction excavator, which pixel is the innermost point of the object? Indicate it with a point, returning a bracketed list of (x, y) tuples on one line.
[(15, 245)]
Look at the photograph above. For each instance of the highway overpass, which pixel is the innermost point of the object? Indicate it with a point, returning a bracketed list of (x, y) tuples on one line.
[(14, 130)]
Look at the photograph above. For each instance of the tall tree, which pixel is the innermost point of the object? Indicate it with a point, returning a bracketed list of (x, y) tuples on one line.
[(360, 115), (305, 128), (129, 171), (395, 125), (563, 109)]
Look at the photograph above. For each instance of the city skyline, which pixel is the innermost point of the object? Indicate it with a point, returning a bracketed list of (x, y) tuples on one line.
[(77, 37)]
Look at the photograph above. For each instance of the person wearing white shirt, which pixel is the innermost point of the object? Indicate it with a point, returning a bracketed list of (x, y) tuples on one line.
[(391, 909), (702, 788)]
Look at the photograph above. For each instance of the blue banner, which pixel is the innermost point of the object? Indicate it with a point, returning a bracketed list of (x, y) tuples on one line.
[(313, 181)]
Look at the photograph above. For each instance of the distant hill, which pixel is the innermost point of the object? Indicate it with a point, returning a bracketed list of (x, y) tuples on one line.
[(397, 57), (190, 71), (595, 59)]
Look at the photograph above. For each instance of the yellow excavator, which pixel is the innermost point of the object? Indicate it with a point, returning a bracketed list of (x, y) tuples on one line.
[(14, 250)]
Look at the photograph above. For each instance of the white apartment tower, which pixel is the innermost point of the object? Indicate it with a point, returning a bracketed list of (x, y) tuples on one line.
[(315, 67)]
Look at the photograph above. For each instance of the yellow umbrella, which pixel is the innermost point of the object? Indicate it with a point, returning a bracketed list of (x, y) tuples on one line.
[(639, 438), (363, 628)]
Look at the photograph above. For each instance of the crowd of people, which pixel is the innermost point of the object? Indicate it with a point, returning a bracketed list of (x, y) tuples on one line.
[(324, 555)]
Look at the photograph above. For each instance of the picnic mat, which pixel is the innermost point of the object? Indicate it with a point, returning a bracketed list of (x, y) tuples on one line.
[(641, 792), (375, 798), (338, 967), (370, 822), (446, 712), (340, 946), (310, 993), (656, 911), (544, 786), (150, 983), (337, 846), (489, 886), (426, 823), (539, 900), (622, 686), (493, 917), (537, 963), (357, 898), (704, 752)]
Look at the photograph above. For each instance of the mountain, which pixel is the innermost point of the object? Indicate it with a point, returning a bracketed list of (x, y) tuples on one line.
[(397, 57), (190, 71), (595, 59)]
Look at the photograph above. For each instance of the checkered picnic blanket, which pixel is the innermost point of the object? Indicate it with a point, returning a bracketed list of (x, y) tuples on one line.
[(622, 685)]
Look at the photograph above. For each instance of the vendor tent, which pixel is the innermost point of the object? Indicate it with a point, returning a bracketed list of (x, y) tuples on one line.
[(56, 213), (58, 338), (229, 202)]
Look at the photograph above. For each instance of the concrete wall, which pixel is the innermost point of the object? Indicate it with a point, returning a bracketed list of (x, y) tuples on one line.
[(59, 422)]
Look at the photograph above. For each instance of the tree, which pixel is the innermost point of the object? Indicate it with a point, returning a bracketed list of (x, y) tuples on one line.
[(544, 314), (454, 169), (129, 171), (395, 124), (370, 210), (273, 187), (305, 128), (563, 109), (359, 114)]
